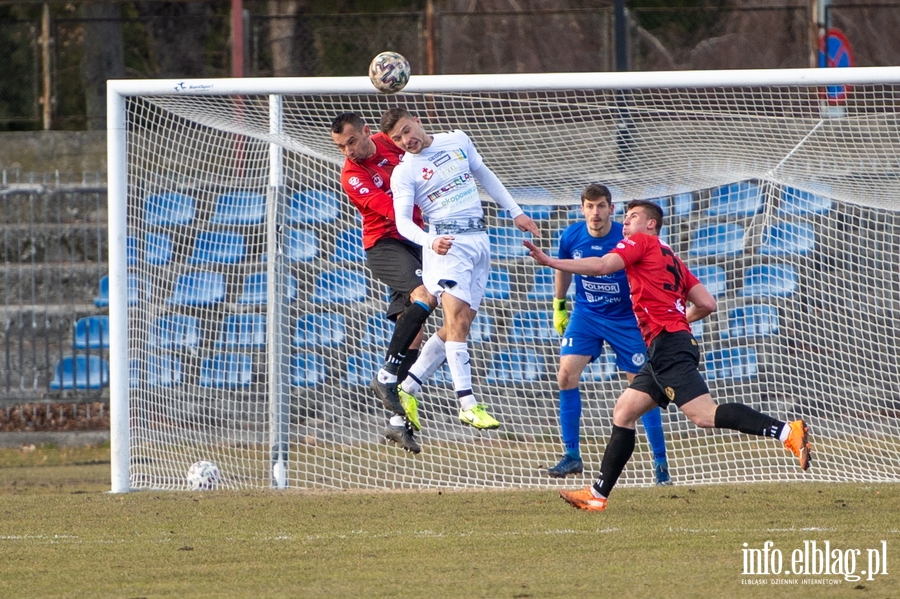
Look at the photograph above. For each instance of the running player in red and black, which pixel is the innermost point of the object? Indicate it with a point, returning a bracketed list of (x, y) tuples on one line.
[(661, 287), (396, 262)]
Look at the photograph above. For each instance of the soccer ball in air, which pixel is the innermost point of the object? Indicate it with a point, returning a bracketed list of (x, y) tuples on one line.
[(203, 476), (389, 72)]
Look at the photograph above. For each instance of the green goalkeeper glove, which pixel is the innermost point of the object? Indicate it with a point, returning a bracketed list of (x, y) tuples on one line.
[(560, 315)]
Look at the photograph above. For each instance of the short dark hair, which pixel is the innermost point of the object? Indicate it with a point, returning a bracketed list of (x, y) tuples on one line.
[(594, 192), (391, 117), (652, 210), (344, 119)]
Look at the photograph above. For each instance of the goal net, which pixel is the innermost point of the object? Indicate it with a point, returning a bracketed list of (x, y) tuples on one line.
[(245, 326)]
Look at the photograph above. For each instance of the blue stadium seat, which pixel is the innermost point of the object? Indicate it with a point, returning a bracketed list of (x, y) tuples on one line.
[(602, 369), (307, 370), (158, 249), (324, 329), (506, 242), (755, 320), (301, 245), (482, 329), (515, 367), (242, 207), (217, 247), (134, 373), (533, 326), (340, 286), (723, 240), (168, 209), (242, 331), (200, 288), (361, 368), (138, 290), (91, 332), (254, 291), (175, 331), (796, 202), (736, 200), (131, 251), (313, 207), (769, 280), (781, 239), (544, 287), (378, 332), (163, 370), (226, 370), (349, 246), (499, 286), (734, 363), (81, 372), (682, 204), (713, 278)]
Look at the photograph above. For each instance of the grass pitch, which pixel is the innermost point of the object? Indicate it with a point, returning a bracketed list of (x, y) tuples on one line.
[(63, 535)]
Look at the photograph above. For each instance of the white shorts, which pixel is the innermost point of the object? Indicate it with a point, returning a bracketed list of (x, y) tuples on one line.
[(463, 272)]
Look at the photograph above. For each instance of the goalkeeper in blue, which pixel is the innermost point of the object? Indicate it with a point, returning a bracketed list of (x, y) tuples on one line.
[(602, 314)]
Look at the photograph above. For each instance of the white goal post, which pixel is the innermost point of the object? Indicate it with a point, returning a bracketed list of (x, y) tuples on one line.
[(781, 190)]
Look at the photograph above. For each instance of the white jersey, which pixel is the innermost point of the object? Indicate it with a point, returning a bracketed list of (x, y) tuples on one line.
[(440, 180)]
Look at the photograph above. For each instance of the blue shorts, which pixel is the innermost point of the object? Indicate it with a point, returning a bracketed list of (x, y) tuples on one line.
[(587, 332)]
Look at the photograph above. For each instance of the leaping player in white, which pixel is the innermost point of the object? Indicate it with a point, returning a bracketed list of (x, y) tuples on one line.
[(438, 174)]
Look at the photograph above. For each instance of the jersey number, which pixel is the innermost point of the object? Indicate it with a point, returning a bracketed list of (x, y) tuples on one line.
[(674, 266)]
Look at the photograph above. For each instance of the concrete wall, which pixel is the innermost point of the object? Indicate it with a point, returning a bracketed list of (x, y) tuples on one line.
[(69, 152)]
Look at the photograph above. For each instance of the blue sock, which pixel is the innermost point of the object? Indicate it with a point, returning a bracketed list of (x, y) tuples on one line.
[(652, 422), (570, 420)]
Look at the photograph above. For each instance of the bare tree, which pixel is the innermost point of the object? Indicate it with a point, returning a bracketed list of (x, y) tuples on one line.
[(102, 58)]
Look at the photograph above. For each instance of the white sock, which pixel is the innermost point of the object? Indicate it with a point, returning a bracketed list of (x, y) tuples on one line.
[(431, 356), (397, 420), (468, 402), (785, 432), (460, 367), (385, 377)]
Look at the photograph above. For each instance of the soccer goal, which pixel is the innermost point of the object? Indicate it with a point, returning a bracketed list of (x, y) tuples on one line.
[(245, 326)]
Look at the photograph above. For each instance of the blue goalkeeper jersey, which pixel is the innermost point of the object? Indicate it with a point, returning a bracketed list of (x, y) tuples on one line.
[(608, 296)]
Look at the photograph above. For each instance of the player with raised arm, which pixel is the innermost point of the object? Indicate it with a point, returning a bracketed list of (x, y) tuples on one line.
[(661, 289), (366, 179), (438, 174), (602, 314)]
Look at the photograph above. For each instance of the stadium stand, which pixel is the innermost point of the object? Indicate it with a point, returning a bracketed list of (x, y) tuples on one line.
[(301, 245), (787, 238), (313, 207), (226, 370), (175, 331), (91, 332), (158, 248), (217, 247), (733, 363), (169, 209), (81, 372), (349, 246), (320, 330), (796, 202), (515, 367), (307, 370), (724, 240), (713, 278), (242, 331), (736, 200), (769, 280), (199, 288), (239, 208), (499, 284), (163, 370), (340, 286), (754, 320), (255, 289)]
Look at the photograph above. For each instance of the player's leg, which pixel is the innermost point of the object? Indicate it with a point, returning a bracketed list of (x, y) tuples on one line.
[(569, 374), (626, 342), (631, 405), (682, 382)]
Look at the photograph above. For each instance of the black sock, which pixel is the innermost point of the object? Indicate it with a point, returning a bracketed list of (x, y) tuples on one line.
[(745, 419), (405, 331), (411, 356), (618, 452)]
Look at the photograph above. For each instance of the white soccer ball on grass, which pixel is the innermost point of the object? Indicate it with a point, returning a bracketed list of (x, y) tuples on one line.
[(203, 476), (389, 72)]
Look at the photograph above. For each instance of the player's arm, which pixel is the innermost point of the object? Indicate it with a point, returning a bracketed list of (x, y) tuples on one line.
[(404, 204), (702, 303), (591, 267)]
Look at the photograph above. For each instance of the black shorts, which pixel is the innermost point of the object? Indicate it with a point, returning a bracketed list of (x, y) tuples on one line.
[(397, 264), (670, 373)]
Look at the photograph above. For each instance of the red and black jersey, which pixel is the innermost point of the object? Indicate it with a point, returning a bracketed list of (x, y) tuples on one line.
[(368, 185), (659, 283)]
